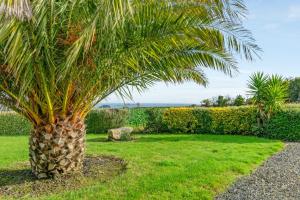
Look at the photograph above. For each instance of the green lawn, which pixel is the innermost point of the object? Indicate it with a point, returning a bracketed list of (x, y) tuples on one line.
[(163, 166)]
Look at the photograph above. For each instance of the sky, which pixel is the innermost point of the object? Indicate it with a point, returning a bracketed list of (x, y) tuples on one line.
[(275, 25)]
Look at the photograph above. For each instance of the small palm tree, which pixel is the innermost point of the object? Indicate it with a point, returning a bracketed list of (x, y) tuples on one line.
[(60, 58), (268, 93)]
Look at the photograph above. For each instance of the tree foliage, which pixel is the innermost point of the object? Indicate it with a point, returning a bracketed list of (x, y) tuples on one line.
[(239, 101), (294, 90), (223, 101), (60, 58)]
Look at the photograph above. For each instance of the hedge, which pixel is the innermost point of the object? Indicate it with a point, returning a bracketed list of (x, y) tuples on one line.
[(13, 124), (97, 121), (137, 117), (155, 120), (100, 120), (234, 121), (284, 125)]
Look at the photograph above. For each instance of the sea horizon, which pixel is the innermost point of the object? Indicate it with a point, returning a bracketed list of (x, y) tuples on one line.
[(141, 105)]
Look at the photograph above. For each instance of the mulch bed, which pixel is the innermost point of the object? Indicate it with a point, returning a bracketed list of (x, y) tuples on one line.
[(19, 182), (277, 179)]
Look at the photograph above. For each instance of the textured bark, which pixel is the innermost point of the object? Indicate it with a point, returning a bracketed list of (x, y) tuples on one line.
[(57, 149)]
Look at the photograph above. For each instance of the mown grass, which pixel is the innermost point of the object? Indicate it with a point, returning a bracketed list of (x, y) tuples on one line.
[(162, 166)]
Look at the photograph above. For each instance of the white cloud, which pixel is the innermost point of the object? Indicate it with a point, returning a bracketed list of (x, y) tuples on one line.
[(294, 12)]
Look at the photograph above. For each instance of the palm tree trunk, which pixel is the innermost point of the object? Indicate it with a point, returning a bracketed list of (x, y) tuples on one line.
[(57, 149)]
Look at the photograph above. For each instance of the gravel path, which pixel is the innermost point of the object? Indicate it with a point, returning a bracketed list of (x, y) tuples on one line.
[(277, 179)]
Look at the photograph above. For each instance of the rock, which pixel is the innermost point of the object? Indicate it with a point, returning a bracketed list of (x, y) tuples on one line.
[(120, 134)]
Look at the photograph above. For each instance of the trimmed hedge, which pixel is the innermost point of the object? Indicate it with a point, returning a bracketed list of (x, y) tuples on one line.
[(284, 125), (180, 120), (234, 121), (155, 122), (97, 121), (13, 124), (137, 117), (100, 120)]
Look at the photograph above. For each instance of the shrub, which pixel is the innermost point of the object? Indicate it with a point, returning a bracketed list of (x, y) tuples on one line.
[(212, 120), (239, 101), (97, 121), (180, 120), (100, 120), (155, 120), (284, 125), (238, 121), (13, 124), (138, 117)]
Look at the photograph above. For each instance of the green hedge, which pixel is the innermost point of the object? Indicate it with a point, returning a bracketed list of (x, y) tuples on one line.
[(137, 117), (13, 124), (97, 121), (284, 125), (239, 121), (155, 122), (100, 120)]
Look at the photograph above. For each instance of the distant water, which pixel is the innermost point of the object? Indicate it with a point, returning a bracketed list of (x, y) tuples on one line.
[(140, 105)]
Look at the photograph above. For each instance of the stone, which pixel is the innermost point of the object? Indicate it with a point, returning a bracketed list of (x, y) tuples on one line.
[(120, 134)]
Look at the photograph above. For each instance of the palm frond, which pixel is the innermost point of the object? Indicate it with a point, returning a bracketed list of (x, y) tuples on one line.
[(61, 57)]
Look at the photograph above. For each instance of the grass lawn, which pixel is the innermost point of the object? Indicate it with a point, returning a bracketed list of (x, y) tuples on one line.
[(162, 166)]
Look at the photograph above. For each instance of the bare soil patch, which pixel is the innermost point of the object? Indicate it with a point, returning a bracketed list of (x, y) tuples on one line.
[(19, 181)]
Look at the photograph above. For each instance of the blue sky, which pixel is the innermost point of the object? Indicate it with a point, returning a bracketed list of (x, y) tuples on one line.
[(275, 25)]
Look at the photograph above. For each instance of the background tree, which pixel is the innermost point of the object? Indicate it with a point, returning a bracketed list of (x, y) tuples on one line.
[(268, 93), (239, 101), (294, 90), (207, 102), (223, 101), (60, 58)]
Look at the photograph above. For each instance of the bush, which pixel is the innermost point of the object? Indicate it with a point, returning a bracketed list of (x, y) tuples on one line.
[(13, 124), (284, 125), (234, 121), (97, 121), (180, 120), (100, 120), (138, 117), (155, 120), (240, 121)]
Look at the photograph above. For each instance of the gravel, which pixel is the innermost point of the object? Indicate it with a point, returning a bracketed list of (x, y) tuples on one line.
[(277, 179)]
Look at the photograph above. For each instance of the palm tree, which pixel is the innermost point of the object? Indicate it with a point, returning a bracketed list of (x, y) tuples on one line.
[(60, 58), (268, 93)]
